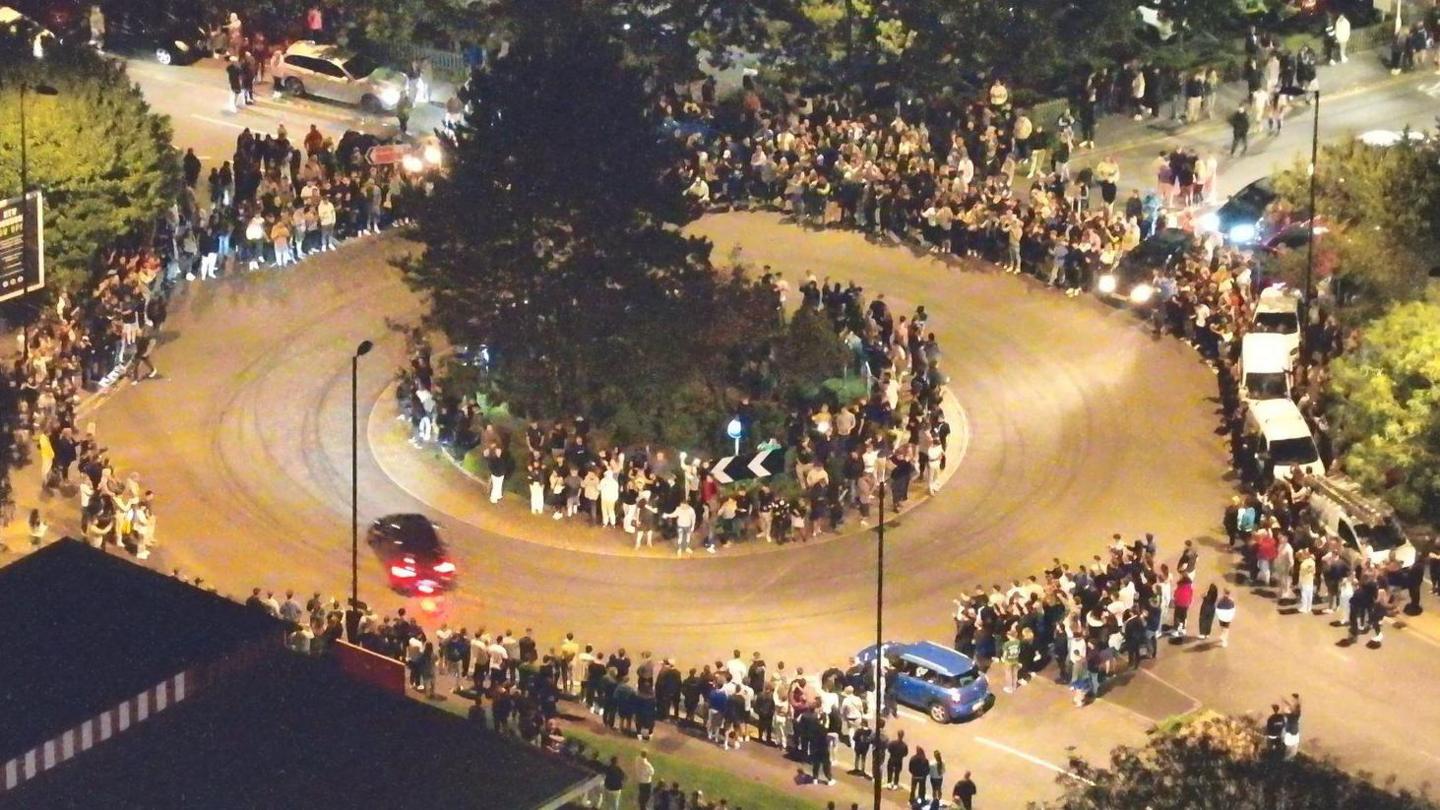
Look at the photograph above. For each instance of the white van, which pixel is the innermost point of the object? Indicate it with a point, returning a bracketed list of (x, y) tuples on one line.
[(1265, 363), (1278, 313), (1280, 440), (1363, 523)]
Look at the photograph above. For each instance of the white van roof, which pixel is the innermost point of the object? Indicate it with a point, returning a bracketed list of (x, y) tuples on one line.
[(1277, 299), (1279, 419), (1265, 352)]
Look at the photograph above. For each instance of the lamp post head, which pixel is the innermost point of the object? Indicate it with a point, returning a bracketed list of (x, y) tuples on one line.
[(364, 348)]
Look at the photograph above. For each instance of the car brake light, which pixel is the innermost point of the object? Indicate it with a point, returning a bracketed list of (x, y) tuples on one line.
[(402, 572), (446, 567), (426, 586)]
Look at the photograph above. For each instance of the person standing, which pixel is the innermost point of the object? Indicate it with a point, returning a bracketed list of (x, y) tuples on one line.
[(1240, 130), (684, 517), (1292, 726), (614, 783), (1342, 37), (964, 793), (38, 528), (1010, 660), (1207, 610), (237, 89), (937, 781), (402, 112), (1225, 614), (1184, 596), (97, 27), (919, 776), (1306, 570), (644, 780), (895, 760)]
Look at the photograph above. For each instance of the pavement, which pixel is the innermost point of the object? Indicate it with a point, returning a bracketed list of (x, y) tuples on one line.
[(1082, 425)]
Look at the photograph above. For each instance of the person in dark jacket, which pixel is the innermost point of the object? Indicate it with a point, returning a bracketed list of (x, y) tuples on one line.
[(919, 776), (895, 760)]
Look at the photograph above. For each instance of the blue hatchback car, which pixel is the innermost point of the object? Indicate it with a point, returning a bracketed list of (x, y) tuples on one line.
[(940, 681)]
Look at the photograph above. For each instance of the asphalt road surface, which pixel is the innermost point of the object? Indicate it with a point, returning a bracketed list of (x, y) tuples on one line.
[(1082, 425)]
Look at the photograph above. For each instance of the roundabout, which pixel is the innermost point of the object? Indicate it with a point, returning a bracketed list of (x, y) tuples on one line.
[(1081, 425), (1075, 414)]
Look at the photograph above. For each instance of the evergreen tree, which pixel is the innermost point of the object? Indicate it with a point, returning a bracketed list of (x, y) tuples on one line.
[(556, 238)]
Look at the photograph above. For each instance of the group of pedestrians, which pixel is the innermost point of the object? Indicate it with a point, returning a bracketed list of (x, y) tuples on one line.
[(838, 452), (75, 345), (278, 201)]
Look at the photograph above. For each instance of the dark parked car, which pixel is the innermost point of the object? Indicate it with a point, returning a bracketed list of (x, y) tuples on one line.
[(413, 554), (1132, 281), (167, 39), (1241, 220)]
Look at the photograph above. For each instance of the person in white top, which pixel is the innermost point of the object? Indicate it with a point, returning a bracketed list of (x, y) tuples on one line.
[(684, 516), (609, 496), (644, 779)]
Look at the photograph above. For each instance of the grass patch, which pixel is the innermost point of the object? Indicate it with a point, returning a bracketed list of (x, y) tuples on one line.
[(714, 782)]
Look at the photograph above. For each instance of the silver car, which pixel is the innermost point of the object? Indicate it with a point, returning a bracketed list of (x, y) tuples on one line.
[(325, 71)]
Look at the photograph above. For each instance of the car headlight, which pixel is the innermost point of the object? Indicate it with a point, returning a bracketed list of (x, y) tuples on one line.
[(1141, 293), (1209, 222), (432, 154), (1242, 233), (389, 97), (1107, 283), (181, 46)]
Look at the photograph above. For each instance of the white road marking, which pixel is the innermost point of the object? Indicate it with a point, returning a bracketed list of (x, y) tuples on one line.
[(1032, 759), (1194, 701), (914, 715), (217, 121)]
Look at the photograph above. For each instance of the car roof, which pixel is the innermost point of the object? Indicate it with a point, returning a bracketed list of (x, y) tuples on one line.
[(308, 47), (1280, 419), (935, 656), (1265, 351), (417, 530)]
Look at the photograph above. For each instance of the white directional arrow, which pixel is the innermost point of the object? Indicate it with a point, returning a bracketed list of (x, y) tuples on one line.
[(757, 464), (1432, 90), (717, 470)]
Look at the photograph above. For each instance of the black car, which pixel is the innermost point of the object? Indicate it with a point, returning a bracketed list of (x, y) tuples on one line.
[(167, 39), (1132, 281), (1241, 220), (413, 554)]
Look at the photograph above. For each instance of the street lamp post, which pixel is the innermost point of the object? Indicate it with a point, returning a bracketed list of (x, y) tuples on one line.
[(352, 625), (1310, 244), (1294, 91), (879, 629)]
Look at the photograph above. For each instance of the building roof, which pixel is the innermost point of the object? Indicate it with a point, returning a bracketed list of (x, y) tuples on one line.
[(86, 630), (297, 733)]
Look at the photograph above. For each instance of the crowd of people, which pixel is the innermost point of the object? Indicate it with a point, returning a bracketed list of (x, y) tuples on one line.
[(838, 451), (517, 682), (76, 345), (277, 201)]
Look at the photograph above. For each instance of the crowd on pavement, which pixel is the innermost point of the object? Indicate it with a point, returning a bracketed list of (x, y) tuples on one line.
[(76, 345), (517, 682), (277, 201), (837, 452)]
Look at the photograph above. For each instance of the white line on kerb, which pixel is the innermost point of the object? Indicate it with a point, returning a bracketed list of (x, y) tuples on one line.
[(221, 122), (1032, 759)]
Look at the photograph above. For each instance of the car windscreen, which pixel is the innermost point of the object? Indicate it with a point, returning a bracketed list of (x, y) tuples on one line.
[(948, 681), (1270, 385), (359, 66), (1252, 198), (1290, 452), (1384, 536), (1280, 323)]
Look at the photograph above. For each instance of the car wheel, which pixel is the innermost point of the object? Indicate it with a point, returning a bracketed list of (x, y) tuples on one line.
[(163, 56), (294, 86), (938, 713), (370, 104)]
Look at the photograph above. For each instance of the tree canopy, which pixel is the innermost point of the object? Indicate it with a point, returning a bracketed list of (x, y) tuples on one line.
[(103, 159), (556, 241), (1387, 408), (1214, 762), (1381, 209)]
